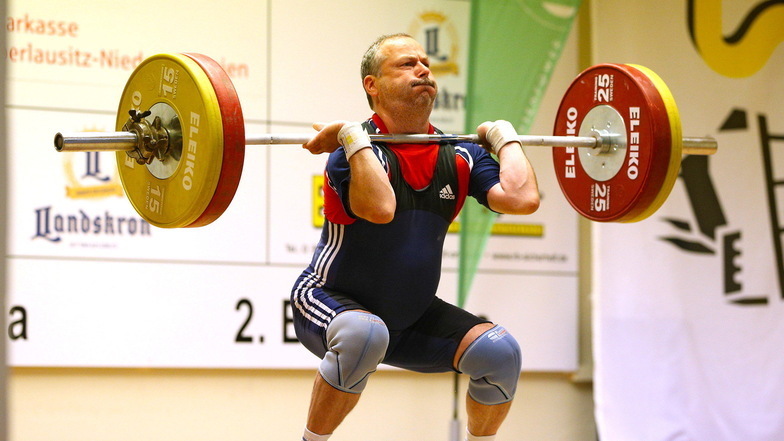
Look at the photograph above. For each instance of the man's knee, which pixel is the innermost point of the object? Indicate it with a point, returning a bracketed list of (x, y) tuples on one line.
[(356, 343), (493, 362)]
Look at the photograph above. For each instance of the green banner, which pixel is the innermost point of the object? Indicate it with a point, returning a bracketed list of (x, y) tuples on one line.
[(514, 47)]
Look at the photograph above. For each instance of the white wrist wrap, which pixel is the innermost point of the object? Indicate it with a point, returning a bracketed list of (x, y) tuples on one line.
[(353, 138), (500, 134)]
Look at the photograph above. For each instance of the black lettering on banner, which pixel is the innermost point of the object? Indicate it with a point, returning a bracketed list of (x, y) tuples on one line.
[(432, 44), (288, 319), (17, 329), (241, 337), (431, 41), (731, 268), (93, 169), (50, 225)]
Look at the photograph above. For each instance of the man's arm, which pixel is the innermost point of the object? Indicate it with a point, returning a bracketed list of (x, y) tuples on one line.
[(370, 193), (518, 191)]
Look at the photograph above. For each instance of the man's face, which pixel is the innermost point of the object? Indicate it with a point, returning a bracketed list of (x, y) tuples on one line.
[(405, 77)]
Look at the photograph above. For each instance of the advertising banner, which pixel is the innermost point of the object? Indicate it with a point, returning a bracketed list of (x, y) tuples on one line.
[(689, 302), (90, 283)]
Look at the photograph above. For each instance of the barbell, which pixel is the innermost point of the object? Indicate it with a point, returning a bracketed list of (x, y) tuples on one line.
[(180, 141)]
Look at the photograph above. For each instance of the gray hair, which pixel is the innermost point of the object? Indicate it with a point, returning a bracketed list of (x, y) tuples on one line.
[(371, 61)]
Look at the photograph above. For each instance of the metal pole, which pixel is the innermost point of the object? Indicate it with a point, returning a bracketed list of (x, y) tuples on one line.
[(95, 141), (126, 141)]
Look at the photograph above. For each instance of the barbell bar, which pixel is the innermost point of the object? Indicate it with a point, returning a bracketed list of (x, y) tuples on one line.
[(128, 141), (617, 141)]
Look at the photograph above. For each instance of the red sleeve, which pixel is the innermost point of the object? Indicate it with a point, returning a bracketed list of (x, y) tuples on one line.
[(333, 207)]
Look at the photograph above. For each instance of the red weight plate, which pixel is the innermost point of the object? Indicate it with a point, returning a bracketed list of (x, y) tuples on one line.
[(634, 187), (661, 147), (233, 139)]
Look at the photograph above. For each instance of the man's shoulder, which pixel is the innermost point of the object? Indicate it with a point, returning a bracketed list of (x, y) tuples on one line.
[(470, 151)]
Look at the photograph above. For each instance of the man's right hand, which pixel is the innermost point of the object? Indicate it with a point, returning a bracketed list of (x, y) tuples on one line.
[(495, 135), (326, 140)]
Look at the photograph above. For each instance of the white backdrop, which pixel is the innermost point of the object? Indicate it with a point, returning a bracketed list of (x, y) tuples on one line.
[(112, 291), (689, 303)]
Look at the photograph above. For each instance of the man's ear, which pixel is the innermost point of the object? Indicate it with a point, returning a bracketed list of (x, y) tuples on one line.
[(369, 82)]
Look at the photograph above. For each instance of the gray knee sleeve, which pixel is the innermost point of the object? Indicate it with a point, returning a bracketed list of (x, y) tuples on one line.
[(493, 362), (356, 344)]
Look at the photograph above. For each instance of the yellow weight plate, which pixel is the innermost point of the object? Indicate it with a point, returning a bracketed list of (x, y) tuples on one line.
[(676, 133), (179, 195)]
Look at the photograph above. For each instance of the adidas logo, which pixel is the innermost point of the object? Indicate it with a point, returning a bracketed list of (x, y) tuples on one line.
[(446, 193)]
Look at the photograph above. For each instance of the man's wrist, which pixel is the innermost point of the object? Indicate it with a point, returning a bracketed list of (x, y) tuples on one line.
[(353, 138), (501, 134)]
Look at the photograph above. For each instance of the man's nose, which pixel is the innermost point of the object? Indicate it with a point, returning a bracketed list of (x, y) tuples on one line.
[(423, 70)]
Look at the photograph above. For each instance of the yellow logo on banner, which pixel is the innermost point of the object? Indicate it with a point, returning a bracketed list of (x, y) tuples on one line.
[(89, 182), (440, 39), (507, 229), (317, 191), (745, 51)]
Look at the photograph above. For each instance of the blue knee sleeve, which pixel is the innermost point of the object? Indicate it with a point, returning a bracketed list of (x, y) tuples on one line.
[(356, 344), (493, 362)]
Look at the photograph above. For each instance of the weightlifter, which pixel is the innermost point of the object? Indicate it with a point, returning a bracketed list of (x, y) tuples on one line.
[(368, 296)]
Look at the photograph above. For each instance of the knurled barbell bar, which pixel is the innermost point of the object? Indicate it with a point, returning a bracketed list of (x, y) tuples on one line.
[(129, 141), (617, 142)]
